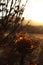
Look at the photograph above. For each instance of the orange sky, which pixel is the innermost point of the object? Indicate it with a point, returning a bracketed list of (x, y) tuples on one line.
[(34, 11)]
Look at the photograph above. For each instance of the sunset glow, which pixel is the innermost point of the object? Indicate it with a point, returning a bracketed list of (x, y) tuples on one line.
[(34, 11)]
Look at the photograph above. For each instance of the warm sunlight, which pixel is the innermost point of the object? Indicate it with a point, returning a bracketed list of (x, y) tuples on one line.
[(34, 11)]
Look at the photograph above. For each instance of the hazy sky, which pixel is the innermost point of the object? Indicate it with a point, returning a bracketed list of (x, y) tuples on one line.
[(34, 11)]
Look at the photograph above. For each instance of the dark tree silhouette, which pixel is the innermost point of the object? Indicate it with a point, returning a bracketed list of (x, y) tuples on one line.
[(8, 21), (7, 45), (25, 46)]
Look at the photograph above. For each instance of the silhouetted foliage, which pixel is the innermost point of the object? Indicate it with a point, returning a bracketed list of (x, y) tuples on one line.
[(25, 46), (7, 21), (12, 47)]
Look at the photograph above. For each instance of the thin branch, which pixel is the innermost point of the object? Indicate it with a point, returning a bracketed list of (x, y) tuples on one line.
[(11, 6)]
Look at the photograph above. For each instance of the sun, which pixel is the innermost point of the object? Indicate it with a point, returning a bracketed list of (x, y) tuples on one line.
[(34, 11)]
